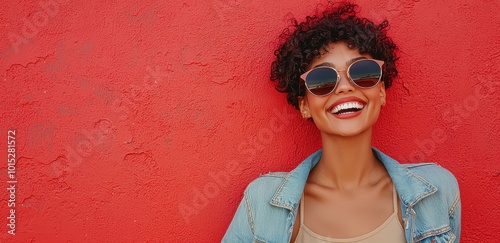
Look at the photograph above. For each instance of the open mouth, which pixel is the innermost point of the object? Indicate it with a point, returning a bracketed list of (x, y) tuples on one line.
[(347, 108)]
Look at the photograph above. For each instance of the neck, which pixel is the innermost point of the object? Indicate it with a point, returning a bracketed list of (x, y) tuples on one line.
[(346, 162)]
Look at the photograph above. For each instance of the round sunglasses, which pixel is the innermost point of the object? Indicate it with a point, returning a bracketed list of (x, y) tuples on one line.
[(363, 73)]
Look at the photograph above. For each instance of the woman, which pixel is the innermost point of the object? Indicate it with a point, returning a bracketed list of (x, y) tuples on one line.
[(335, 68)]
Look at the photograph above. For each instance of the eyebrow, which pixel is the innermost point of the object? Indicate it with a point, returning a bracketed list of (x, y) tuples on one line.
[(329, 64)]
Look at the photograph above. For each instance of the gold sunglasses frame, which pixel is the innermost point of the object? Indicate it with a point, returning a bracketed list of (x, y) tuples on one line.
[(303, 77)]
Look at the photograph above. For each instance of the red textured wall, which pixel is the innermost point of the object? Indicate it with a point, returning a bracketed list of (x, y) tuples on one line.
[(144, 121)]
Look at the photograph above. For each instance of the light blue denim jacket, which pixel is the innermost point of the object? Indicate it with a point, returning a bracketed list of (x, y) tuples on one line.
[(429, 195)]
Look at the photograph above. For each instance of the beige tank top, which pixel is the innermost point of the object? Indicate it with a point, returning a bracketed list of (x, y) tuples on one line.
[(389, 231)]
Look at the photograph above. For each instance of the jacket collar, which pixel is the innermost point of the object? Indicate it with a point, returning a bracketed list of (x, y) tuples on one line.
[(411, 188)]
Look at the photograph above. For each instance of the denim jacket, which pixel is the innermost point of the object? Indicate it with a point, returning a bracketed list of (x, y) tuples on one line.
[(429, 195)]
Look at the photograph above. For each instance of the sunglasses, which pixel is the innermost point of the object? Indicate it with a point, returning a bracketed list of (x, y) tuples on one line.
[(363, 73)]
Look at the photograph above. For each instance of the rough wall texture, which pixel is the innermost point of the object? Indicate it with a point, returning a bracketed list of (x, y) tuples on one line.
[(143, 121)]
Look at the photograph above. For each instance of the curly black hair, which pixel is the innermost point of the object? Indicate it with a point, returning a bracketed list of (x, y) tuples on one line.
[(303, 42)]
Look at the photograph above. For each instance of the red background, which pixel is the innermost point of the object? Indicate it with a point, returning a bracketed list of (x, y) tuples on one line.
[(143, 121)]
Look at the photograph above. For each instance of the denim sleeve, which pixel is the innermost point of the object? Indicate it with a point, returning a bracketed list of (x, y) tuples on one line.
[(240, 229), (455, 217)]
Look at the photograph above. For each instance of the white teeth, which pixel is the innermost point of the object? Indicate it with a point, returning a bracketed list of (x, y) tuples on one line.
[(347, 105)]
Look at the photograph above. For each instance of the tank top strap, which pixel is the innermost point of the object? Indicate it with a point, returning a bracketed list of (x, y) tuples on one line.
[(301, 206), (395, 199)]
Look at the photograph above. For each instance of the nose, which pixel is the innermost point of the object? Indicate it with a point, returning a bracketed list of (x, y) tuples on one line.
[(344, 85)]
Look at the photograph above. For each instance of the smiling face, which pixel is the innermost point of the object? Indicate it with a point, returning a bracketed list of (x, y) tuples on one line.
[(348, 110)]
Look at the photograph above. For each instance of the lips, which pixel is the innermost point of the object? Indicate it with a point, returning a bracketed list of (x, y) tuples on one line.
[(347, 107)]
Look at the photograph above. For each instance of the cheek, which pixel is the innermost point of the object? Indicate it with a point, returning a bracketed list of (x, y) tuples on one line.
[(315, 106), (374, 96), (316, 103)]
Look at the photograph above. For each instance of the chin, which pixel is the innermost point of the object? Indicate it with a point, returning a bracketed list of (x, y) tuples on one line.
[(343, 132), (348, 131)]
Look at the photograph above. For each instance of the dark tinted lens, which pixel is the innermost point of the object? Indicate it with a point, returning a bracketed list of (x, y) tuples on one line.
[(365, 73), (321, 81)]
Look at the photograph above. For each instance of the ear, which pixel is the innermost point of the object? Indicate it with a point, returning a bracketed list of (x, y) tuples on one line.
[(304, 107), (382, 94)]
